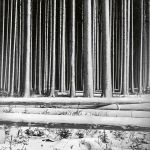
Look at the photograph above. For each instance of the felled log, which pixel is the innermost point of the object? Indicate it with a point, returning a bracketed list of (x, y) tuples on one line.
[(84, 122), (135, 107), (59, 111), (72, 101)]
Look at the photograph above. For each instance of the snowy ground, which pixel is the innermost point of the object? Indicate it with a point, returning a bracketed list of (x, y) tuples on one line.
[(26, 138)]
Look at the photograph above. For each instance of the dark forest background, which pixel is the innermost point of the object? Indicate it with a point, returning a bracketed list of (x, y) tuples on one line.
[(52, 24)]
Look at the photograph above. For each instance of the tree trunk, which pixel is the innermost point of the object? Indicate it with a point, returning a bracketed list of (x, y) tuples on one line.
[(63, 49), (128, 46), (132, 107), (74, 101), (83, 122), (36, 49), (53, 74), (132, 48), (128, 112), (50, 45), (87, 49), (45, 61), (148, 72), (10, 47), (7, 49), (72, 49), (28, 52), (126, 42), (94, 27), (124, 82), (141, 53), (2, 51), (107, 81), (19, 47), (40, 49), (14, 51)]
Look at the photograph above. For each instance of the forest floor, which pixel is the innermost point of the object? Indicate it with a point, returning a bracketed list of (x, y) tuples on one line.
[(31, 138)]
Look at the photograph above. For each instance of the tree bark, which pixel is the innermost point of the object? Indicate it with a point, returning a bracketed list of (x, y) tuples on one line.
[(72, 49), (45, 61), (87, 49), (40, 49), (28, 52), (148, 75), (10, 47), (36, 49), (53, 74), (63, 49), (2, 51), (19, 47), (126, 48), (132, 48), (7, 49), (140, 88), (14, 51), (107, 81)]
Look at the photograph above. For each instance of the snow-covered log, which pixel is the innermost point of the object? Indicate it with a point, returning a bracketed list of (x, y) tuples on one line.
[(84, 122), (60, 111), (137, 107), (72, 101)]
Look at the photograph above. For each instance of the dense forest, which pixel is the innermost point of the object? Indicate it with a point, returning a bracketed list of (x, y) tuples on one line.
[(72, 46)]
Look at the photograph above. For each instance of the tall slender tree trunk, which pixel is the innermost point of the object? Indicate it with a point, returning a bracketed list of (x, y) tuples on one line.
[(132, 48), (87, 49), (94, 27), (45, 47), (36, 49), (53, 74), (97, 48), (112, 41), (72, 48), (97, 45), (31, 52), (126, 42), (124, 82), (60, 41), (40, 49), (141, 52), (28, 52), (7, 49), (2, 51), (145, 47), (148, 45), (19, 47), (122, 46), (14, 51), (63, 49), (50, 44), (10, 47), (107, 81)]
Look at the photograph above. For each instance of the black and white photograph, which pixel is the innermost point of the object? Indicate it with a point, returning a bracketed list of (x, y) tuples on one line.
[(74, 74)]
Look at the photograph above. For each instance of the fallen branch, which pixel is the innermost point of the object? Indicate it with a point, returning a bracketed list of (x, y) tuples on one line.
[(84, 122)]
